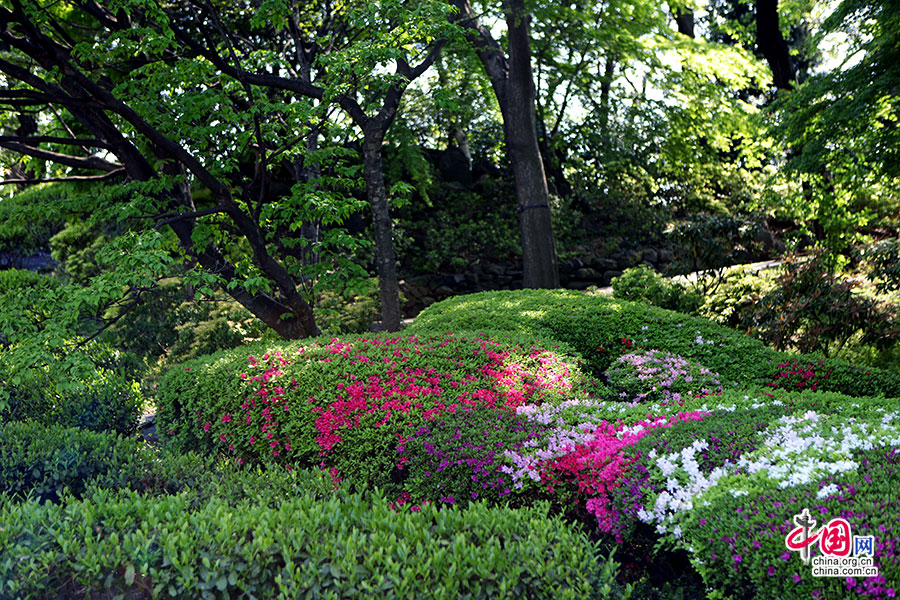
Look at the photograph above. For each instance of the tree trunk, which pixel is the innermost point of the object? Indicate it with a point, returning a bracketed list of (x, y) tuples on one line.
[(291, 320), (520, 126), (684, 20), (772, 45), (385, 260), (609, 70)]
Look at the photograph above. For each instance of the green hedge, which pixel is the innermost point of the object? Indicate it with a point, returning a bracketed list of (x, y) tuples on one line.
[(601, 329), (124, 544), (47, 461)]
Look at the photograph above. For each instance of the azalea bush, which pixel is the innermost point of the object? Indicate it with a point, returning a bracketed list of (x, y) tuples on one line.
[(349, 403), (661, 376), (601, 329), (795, 376)]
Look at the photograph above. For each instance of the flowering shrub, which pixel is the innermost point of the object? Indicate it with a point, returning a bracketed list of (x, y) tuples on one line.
[(350, 402), (597, 467), (739, 538), (594, 326), (661, 377), (793, 376), (462, 456)]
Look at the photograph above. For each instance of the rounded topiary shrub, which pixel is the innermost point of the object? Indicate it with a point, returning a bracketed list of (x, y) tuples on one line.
[(601, 329), (352, 402), (656, 376)]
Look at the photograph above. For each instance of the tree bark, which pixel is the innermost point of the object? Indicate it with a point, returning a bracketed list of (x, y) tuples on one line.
[(684, 20), (513, 82), (520, 125), (385, 259), (609, 69), (772, 45)]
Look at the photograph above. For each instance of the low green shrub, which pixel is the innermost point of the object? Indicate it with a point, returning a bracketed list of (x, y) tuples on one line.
[(601, 329), (109, 401), (643, 284), (112, 402), (343, 546), (48, 462), (45, 461)]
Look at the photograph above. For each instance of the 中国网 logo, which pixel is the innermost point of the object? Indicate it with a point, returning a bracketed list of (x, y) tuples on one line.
[(842, 553)]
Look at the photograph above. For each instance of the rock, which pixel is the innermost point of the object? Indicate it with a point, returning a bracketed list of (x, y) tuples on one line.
[(627, 259), (147, 428), (480, 168), (565, 268), (666, 256), (428, 301), (608, 276), (454, 166), (649, 255), (578, 285), (587, 274), (765, 237), (458, 279), (603, 263), (443, 291), (495, 270)]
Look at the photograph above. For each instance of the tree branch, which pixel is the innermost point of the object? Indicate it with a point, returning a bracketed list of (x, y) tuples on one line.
[(89, 162), (48, 139), (169, 218), (298, 86), (105, 177)]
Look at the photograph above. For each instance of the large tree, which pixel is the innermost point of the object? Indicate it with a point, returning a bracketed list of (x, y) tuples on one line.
[(211, 109), (512, 79)]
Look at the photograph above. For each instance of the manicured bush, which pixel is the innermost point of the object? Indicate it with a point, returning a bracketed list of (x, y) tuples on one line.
[(44, 461), (462, 456), (343, 546), (739, 537), (601, 329), (660, 377), (351, 401)]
